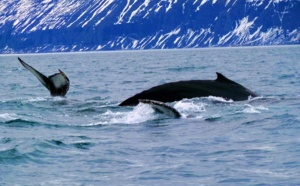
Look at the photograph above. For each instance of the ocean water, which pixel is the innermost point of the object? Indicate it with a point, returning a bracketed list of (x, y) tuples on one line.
[(87, 139)]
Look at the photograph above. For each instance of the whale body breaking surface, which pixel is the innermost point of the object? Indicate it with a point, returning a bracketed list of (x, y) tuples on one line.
[(175, 91)]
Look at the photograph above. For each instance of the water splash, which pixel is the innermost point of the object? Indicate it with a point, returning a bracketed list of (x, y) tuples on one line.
[(6, 117), (141, 113), (253, 109)]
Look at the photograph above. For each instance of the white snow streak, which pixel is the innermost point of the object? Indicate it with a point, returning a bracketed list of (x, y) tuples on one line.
[(227, 1), (30, 15), (162, 39), (125, 10), (242, 31), (141, 8)]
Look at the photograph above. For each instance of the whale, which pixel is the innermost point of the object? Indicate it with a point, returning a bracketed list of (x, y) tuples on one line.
[(176, 91), (58, 83)]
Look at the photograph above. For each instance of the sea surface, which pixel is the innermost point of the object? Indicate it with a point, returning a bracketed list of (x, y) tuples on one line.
[(85, 138)]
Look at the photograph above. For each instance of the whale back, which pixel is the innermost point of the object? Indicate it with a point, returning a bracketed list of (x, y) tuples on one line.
[(175, 91)]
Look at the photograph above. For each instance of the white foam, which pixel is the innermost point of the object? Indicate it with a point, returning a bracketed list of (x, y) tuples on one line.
[(219, 99), (59, 98), (8, 117), (255, 98), (253, 109), (189, 106), (141, 113), (37, 99)]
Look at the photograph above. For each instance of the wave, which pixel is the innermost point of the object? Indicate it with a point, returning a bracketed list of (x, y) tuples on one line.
[(83, 145), (22, 122), (253, 109), (6, 117), (14, 120), (16, 151), (12, 156), (203, 109), (58, 144), (63, 112), (22, 152), (16, 156)]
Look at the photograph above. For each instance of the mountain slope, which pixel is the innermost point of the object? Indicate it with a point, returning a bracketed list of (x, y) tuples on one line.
[(76, 25)]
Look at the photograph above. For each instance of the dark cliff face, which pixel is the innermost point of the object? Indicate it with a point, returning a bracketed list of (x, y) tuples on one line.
[(77, 25)]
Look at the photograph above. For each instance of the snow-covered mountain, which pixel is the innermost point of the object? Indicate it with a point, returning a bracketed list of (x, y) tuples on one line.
[(82, 25)]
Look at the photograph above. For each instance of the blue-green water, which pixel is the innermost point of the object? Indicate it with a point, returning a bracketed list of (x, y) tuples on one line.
[(86, 139)]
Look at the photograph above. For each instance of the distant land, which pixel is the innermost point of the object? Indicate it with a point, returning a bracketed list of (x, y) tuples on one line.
[(28, 26)]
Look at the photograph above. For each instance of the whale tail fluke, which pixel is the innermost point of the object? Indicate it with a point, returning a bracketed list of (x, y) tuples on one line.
[(41, 77), (161, 107), (57, 84)]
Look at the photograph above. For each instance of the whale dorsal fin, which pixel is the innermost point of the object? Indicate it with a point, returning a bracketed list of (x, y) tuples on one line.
[(161, 107), (223, 79)]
